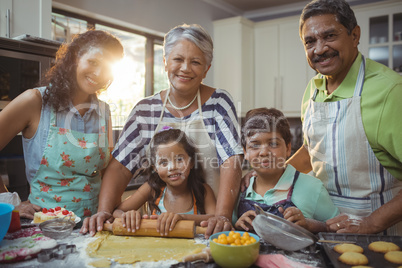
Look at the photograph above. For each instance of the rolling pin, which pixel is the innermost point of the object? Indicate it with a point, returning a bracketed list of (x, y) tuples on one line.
[(204, 255), (183, 229)]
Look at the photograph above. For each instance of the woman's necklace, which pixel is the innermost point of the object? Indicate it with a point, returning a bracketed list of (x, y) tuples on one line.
[(184, 107)]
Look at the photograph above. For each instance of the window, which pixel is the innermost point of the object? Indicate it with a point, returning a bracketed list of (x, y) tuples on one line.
[(128, 86), (63, 27), (160, 79), (141, 72)]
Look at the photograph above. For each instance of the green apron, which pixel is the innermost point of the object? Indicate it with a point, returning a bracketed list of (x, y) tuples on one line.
[(69, 175)]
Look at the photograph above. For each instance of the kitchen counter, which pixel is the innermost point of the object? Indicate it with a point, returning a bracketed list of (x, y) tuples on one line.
[(311, 256)]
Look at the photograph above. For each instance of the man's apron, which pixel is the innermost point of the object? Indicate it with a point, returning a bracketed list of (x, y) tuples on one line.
[(197, 132), (342, 158), (69, 175)]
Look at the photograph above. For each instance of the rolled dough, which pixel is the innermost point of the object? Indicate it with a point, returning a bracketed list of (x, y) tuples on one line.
[(131, 249)]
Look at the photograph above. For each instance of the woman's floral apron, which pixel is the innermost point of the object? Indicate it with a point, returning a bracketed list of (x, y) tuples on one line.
[(69, 175)]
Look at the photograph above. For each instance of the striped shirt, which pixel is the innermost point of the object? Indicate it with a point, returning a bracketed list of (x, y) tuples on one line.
[(220, 120)]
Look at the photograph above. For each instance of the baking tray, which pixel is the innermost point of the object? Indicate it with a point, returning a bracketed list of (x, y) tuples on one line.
[(375, 259)]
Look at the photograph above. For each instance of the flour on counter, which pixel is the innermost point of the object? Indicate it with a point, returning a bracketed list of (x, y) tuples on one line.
[(127, 260)]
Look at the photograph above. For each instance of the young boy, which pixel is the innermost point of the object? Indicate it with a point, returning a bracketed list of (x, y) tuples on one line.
[(278, 188)]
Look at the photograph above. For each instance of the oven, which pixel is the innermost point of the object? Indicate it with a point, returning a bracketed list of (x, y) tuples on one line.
[(22, 65)]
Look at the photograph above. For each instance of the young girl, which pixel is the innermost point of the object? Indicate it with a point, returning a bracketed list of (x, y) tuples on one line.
[(175, 190), (65, 128)]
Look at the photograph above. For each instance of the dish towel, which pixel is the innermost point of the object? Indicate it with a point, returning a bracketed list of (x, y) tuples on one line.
[(278, 261), (24, 245)]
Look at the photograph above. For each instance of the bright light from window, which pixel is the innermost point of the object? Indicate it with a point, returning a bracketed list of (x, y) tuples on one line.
[(123, 72), (125, 91), (129, 84)]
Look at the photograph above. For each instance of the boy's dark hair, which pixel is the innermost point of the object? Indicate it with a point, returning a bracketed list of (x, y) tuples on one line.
[(340, 8), (265, 120), (195, 179), (60, 80)]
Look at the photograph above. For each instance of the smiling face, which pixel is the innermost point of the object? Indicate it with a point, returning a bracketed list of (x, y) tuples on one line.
[(330, 50), (94, 70), (173, 164), (186, 66), (267, 153)]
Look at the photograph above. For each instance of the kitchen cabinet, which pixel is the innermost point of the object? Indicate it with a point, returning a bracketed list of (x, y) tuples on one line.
[(381, 33), (233, 62), (261, 64), (19, 17), (281, 68)]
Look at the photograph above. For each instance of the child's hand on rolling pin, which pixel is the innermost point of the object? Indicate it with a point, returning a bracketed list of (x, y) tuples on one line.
[(131, 220), (166, 222)]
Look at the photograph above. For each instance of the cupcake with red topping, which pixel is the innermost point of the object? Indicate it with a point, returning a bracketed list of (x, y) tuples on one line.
[(53, 213)]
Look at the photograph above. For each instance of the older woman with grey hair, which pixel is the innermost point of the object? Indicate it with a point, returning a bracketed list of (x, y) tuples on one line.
[(206, 114)]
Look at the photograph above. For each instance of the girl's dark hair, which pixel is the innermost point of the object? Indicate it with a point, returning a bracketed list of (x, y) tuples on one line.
[(195, 179), (60, 80), (265, 120), (340, 8)]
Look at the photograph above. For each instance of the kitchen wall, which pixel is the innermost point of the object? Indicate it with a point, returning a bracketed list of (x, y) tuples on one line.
[(161, 15), (157, 16), (154, 16)]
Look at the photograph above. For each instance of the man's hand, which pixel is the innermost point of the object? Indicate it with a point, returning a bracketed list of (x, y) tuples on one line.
[(347, 223)]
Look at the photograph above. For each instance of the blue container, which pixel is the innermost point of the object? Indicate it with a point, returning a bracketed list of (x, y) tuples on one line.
[(5, 218)]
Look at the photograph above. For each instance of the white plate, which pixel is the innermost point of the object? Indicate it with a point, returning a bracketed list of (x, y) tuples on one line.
[(77, 220)]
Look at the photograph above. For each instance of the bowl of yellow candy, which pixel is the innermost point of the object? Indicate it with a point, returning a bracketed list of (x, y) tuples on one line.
[(234, 249)]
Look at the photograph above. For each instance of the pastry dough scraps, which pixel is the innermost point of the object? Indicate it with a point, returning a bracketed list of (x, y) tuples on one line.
[(131, 249)]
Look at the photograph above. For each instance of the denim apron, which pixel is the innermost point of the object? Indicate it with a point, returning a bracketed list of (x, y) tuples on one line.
[(342, 158), (69, 174), (246, 205), (197, 132)]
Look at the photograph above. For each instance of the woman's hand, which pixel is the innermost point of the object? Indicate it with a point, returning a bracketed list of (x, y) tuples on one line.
[(27, 209), (94, 223), (130, 219), (245, 181), (293, 214), (246, 220), (216, 224)]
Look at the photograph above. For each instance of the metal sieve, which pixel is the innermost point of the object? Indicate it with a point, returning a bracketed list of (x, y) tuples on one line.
[(284, 234)]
